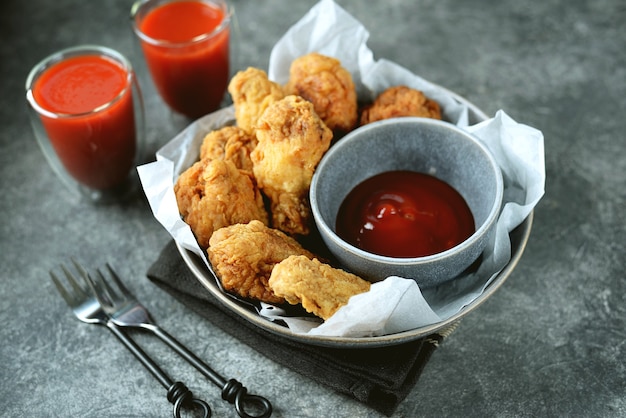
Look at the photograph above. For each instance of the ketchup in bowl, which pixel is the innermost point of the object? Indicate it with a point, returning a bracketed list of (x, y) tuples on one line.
[(88, 115), (185, 44), (404, 214)]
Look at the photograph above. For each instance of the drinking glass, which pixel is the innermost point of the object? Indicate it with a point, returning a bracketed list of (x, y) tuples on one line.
[(87, 114), (186, 48)]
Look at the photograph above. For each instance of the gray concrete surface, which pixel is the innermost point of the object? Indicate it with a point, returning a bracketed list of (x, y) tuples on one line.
[(550, 342)]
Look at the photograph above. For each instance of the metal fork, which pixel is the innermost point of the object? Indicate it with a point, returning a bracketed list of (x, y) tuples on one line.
[(86, 307), (126, 311)]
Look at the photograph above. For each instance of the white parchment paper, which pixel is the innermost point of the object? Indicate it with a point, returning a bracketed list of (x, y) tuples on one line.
[(395, 304)]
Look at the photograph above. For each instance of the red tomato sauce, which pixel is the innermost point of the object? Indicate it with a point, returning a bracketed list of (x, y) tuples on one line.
[(191, 78), (404, 214), (98, 148)]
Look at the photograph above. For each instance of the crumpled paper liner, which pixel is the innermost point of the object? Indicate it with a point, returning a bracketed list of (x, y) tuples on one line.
[(395, 304)]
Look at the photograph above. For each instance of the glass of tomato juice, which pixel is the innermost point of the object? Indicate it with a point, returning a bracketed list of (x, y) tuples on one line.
[(87, 114), (186, 47)]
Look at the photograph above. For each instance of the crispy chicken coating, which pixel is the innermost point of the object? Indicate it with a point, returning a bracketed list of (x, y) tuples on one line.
[(229, 143), (214, 194), (320, 288), (400, 101), (244, 255), (292, 140), (323, 81), (252, 92)]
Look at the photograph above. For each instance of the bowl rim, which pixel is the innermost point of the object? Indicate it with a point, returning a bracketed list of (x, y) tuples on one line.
[(519, 237), (352, 136)]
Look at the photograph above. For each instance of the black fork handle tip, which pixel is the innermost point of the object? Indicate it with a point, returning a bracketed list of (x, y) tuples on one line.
[(179, 395), (236, 393)]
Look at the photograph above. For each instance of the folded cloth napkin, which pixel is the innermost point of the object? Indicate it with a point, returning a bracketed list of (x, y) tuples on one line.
[(379, 377)]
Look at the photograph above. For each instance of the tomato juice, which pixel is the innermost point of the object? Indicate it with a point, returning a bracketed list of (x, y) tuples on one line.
[(186, 47), (85, 104), (404, 214)]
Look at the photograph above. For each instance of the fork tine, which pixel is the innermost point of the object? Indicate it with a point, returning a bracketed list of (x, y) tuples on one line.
[(72, 280), (83, 274), (119, 283), (68, 299), (104, 288), (99, 289), (76, 291)]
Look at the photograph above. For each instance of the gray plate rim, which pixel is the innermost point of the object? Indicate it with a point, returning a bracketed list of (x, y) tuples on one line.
[(519, 238)]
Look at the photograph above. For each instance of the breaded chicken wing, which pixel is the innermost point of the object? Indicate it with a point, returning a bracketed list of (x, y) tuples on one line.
[(292, 140), (244, 255), (320, 288), (400, 101), (252, 92), (214, 194), (229, 143), (323, 81)]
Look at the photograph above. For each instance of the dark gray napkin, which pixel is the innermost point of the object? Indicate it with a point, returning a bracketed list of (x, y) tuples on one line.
[(379, 377)]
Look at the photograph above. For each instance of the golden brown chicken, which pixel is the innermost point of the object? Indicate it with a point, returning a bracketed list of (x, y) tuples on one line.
[(252, 92), (214, 194), (244, 255), (229, 143), (323, 81), (320, 288), (292, 140), (400, 101)]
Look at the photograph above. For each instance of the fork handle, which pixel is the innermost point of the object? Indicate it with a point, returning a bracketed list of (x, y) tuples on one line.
[(177, 392), (187, 354), (141, 355), (232, 391)]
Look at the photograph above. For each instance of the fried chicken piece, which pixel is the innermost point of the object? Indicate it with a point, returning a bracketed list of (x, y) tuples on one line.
[(214, 194), (244, 255), (320, 288), (400, 101), (229, 143), (292, 140), (323, 81), (252, 92)]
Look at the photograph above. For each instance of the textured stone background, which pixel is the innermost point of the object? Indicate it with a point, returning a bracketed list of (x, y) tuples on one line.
[(550, 342)]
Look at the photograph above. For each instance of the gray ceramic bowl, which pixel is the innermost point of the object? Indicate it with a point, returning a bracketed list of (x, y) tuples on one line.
[(417, 144)]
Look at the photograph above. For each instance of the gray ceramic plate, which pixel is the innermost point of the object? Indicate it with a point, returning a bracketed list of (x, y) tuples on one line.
[(519, 238)]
